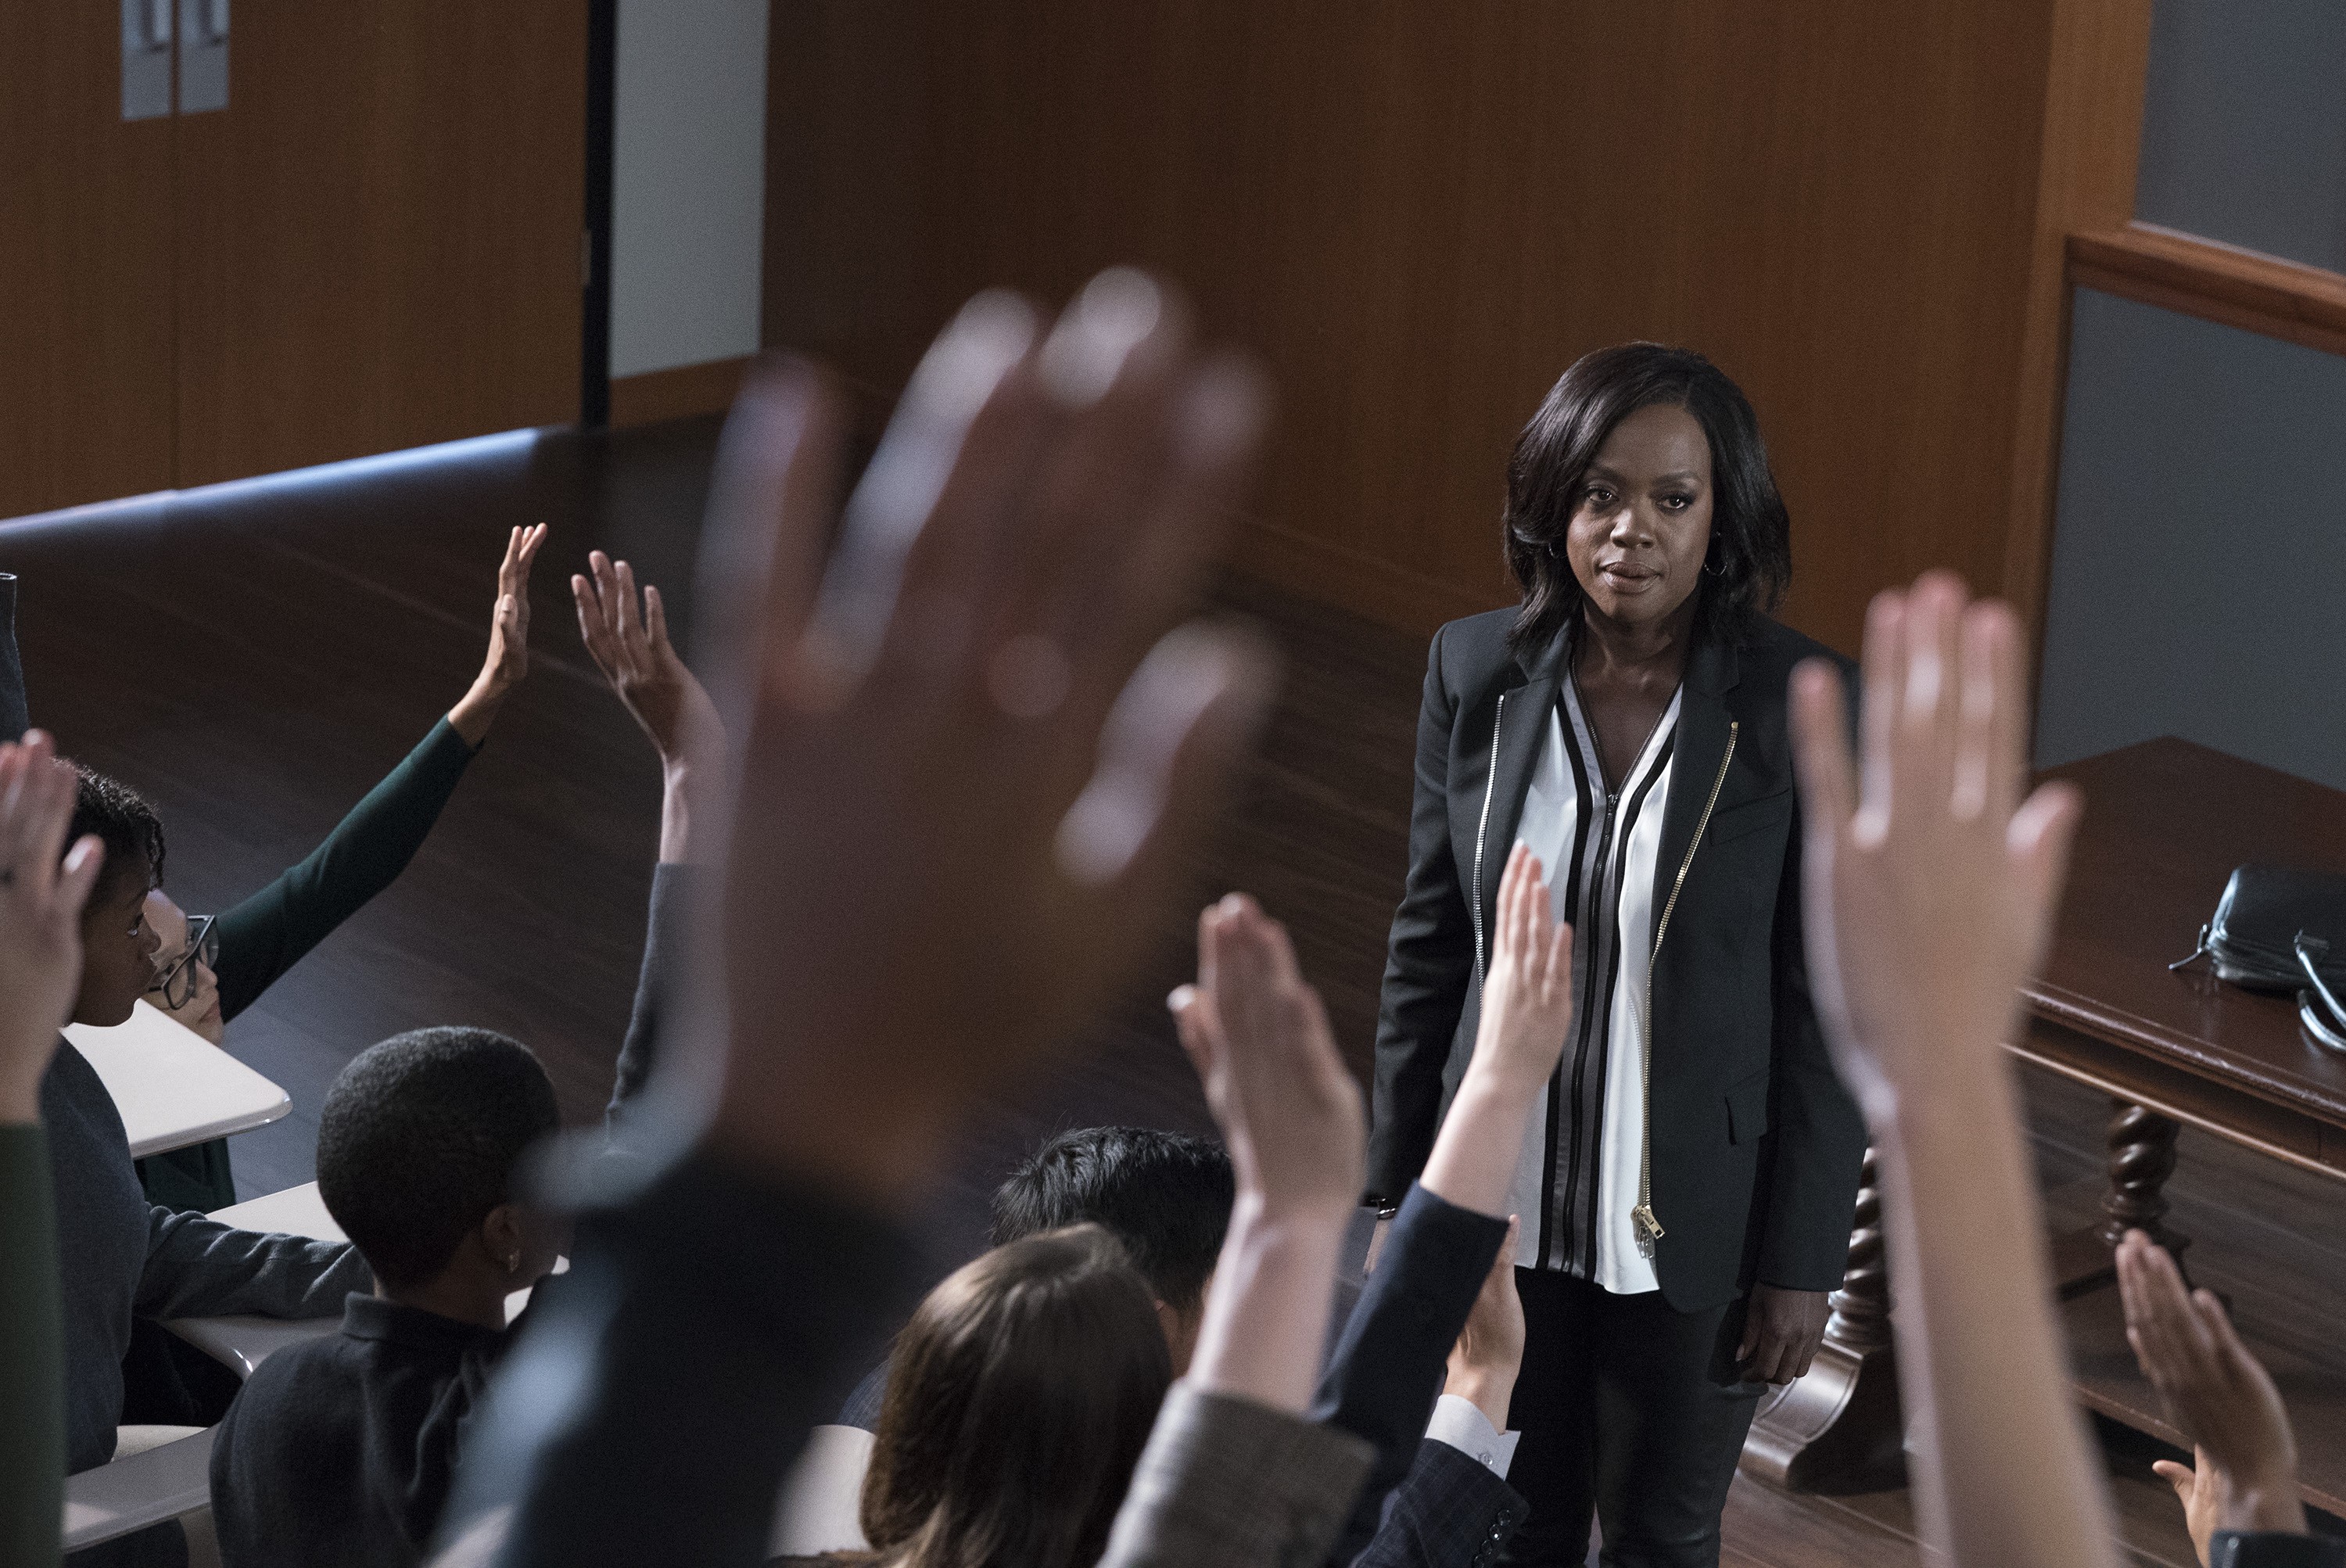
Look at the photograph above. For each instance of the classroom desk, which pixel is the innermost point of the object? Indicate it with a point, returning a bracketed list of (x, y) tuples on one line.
[(242, 1342), (173, 1086), (2165, 823)]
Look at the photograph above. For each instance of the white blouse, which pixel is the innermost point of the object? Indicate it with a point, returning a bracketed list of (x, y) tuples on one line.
[(1576, 1181)]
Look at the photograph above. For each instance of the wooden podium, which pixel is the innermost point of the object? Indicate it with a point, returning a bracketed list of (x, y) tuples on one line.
[(2165, 823)]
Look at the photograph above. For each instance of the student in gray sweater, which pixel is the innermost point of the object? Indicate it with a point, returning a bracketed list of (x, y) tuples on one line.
[(121, 1258)]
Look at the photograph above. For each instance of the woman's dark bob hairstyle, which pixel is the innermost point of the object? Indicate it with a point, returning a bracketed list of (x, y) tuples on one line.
[(1751, 558)]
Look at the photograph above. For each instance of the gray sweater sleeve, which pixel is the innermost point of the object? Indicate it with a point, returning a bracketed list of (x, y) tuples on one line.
[(198, 1268), (1234, 1484)]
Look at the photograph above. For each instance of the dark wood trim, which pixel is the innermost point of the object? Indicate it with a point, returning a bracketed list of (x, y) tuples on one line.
[(594, 324), (2092, 133), (678, 394), (2215, 282)]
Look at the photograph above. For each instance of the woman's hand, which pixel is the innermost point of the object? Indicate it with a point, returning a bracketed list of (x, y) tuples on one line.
[(1528, 993), (633, 651), (1781, 1331), (41, 900), (508, 657), (2222, 1398)]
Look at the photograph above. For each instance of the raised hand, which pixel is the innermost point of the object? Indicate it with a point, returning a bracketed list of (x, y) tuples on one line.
[(1292, 1118), (509, 656), (1527, 992), (1931, 883), (631, 647), (1527, 1013), (2245, 1474), (1288, 1110), (972, 746), (43, 886)]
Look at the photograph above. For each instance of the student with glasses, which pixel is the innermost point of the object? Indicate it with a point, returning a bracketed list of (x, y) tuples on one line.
[(210, 968)]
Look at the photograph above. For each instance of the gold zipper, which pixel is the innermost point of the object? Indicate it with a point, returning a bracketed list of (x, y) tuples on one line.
[(1649, 1229)]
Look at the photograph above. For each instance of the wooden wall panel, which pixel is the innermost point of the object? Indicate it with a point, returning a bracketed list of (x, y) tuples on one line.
[(380, 238), (1420, 214), (85, 313)]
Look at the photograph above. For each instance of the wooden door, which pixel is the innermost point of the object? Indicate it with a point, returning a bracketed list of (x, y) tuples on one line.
[(379, 239), (86, 305)]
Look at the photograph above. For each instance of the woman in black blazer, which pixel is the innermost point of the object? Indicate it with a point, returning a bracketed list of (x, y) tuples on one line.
[(1688, 1183)]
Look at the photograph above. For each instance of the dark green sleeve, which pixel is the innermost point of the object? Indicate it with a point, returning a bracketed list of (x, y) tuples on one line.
[(32, 1357), (265, 936)]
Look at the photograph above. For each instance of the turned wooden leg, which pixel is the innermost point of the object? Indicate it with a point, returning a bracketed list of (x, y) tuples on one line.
[(2141, 1145), (1839, 1428)]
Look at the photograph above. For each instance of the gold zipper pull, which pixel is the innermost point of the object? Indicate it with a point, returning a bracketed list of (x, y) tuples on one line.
[(1649, 1229)]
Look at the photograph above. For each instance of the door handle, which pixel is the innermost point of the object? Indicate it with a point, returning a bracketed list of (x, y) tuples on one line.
[(146, 59), (203, 56)]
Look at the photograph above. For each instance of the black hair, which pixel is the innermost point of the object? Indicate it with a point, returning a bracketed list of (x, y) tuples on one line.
[(1164, 1196), (123, 821), (1750, 559), (418, 1141)]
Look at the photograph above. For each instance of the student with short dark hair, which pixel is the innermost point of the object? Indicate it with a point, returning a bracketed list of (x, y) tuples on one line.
[(1019, 1399), (342, 1450), (1165, 1196)]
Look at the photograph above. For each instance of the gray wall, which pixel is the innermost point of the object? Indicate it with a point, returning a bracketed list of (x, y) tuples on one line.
[(687, 182), (2198, 582), (2244, 125)]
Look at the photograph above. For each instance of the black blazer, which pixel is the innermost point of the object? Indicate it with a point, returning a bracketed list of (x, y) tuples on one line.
[(1756, 1145)]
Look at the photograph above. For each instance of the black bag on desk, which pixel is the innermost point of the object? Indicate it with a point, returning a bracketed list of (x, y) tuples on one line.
[(2252, 941)]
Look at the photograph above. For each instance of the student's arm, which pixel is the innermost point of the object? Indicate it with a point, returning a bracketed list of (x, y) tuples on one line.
[(1390, 1360), (268, 932), (2244, 1477), (42, 889), (198, 1268), (631, 646), (1930, 887), (968, 763), (1232, 1473)]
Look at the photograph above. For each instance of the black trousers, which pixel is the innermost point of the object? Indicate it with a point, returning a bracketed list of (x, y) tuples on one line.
[(1632, 1412)]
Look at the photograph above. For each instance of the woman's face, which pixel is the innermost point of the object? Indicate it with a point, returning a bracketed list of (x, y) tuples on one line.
[(1640, 526), (118, 948), (202, 1011)]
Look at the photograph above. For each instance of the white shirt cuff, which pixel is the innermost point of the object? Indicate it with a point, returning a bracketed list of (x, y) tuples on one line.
[(1461, 1424)]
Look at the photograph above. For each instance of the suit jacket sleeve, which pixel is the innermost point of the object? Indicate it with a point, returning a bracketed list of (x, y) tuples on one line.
[(2273, 1549), (1229, 1483), (1449, 1511), (198, 1268), (1388, 1360), (1820, 1135), (1429, 963), (672, 885)]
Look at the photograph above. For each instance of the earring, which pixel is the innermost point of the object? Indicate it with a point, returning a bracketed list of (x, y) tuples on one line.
[(1708, 570), (512, 1263)]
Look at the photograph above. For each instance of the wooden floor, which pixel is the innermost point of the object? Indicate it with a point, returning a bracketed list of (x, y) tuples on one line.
[(254, 658)]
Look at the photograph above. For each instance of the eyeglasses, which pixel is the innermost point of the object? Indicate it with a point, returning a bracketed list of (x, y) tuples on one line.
[(177, 983)]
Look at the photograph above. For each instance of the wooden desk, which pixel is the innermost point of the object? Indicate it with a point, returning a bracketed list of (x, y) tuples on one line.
[(2165, 823)]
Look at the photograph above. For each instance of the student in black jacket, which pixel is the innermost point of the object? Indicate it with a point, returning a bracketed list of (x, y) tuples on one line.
[(1687, 1199), (343, 1449)]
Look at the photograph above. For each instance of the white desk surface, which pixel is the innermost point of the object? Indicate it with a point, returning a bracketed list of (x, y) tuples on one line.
[(173, 1086), (241, 1343), (132, 1493)]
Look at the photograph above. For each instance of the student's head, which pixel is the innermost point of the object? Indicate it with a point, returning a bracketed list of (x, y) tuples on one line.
[(1642, 484), (1167, 1197), (1019, 1397), (417, 1147), (185, 985), (118, 947)]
